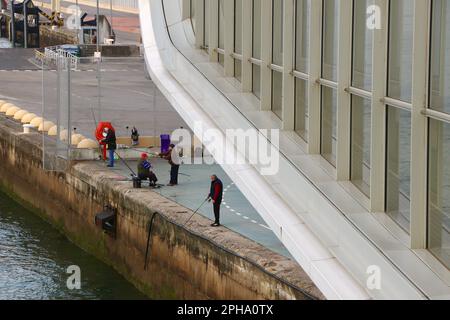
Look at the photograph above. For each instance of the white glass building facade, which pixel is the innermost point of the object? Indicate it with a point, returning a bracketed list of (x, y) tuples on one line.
[(363, 87)]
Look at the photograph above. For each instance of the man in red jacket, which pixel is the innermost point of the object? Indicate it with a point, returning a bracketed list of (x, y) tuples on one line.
[(215, 195)]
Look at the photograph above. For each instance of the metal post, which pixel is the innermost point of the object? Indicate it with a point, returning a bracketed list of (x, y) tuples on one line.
[(69, 102), (78, 21), (111, 17), (43, 109), (25, 25), (97, 23), (13, 24), (99, 92)]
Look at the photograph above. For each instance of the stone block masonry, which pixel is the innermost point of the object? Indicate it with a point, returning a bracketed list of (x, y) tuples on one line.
[(56, 37), (193, 262)]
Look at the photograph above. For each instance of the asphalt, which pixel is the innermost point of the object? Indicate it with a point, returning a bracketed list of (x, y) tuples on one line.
[(15, 58), (127, 97)]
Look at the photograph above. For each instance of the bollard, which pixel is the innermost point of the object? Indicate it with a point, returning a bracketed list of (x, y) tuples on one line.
[(27, 128)]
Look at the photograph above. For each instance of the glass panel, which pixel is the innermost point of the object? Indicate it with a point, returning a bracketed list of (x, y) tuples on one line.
[(277, 97), (301, 108), (440, 56), (439, 191), (238, 69), (193, 14), (256, 80), (221, 25), (206, 24), (257, 29), (238, 37), (302, 35), (277, 34), (361, 143), (329, 124), (400, 49), (238, 26), (362, 46), (398, 167), (256, 50), (330, 39)]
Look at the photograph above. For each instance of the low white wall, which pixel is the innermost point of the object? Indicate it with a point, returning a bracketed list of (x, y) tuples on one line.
[(133, 4)]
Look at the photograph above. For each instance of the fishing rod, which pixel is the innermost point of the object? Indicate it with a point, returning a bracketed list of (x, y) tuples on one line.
[(184, 174), (125, 163), (115, 152), (143, 151), (195, 212), (156, 155), (95, 123)]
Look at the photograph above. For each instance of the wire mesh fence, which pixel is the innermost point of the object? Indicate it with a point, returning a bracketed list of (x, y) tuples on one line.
[(55, 114), (115, 90)]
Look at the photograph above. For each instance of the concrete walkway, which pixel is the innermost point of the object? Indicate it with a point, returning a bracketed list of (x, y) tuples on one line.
[(237, 213)]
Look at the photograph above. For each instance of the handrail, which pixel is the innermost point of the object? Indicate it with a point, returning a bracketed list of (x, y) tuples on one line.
[(55, 52)]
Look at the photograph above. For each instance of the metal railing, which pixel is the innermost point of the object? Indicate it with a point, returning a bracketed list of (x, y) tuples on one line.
[(52, 54), (73, 59)]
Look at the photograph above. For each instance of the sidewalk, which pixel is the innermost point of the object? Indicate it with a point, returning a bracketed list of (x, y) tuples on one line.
[(237, 213)]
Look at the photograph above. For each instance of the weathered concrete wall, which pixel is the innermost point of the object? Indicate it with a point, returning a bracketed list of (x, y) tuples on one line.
[(197, 262), (87, 50)]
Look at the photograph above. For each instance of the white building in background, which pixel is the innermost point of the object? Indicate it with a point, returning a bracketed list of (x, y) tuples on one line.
[(361, 92)]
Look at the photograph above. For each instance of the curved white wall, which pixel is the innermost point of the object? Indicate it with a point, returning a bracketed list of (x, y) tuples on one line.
[(291, 205)]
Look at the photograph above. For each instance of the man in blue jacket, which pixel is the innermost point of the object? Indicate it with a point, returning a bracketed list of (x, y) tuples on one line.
[(216, 195)]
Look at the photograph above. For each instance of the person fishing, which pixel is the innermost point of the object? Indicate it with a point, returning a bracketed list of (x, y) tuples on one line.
[(145, 172), (173, 157), (110, 141), (215, 196), (134, 137)]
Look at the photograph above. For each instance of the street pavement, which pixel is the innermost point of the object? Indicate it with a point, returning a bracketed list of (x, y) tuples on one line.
[(127, 97), (15, 58)]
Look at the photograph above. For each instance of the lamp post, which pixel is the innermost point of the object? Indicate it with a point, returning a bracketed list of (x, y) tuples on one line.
[(99, 81), (97, 23), (78, 23), (111, 17)]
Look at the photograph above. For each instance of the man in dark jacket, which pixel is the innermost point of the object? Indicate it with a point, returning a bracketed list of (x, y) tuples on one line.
[(110, 141), (145, 170), (173, 157), (134, 137), (215, 195)]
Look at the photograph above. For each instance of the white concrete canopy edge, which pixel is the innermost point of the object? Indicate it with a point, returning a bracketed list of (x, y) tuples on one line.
[(332, 278)]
